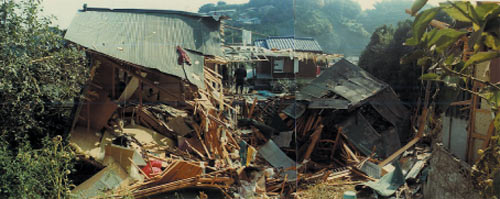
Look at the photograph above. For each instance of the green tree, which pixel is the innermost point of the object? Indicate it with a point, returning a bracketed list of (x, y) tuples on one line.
[(441, 54), (207, 8), (382, 56), (40, 75), (385, 12)]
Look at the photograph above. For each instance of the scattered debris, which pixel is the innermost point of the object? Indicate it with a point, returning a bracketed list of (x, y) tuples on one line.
[(164, 122)]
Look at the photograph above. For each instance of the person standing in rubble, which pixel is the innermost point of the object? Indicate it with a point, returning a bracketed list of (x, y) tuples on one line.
[(240, 74)]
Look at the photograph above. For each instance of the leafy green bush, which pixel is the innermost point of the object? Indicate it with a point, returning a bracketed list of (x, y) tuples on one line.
[(40, 75), (36, 173)]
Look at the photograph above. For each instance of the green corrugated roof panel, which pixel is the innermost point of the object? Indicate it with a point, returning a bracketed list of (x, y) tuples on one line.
[(149, 39)]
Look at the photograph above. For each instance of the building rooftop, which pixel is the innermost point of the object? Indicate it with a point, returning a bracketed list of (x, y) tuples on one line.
[(304, 44)]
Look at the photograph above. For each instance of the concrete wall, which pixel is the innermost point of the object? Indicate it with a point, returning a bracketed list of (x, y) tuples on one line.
[(448, 177)]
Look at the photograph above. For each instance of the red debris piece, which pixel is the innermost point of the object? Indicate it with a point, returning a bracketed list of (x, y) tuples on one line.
[(183, 57)]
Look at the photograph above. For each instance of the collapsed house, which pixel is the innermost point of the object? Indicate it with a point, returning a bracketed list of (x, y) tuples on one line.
[(343, 123), (148, 90), (345, 101), (155, 116), (366, 109)]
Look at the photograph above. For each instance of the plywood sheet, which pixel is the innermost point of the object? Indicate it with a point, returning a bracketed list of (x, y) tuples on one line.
[(148, 136), (123, 155), (180, 170)]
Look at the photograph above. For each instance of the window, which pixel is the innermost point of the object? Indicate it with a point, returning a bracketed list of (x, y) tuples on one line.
[(278, 65)]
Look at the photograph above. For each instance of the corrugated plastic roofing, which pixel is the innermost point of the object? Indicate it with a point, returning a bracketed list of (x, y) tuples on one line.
[(149, 38), (289, 42)]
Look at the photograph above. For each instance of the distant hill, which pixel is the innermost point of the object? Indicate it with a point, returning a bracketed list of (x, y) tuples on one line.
[(340, 26)]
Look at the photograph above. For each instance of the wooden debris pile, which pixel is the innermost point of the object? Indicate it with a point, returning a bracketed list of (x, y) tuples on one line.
[(325, 145), (161, 135)]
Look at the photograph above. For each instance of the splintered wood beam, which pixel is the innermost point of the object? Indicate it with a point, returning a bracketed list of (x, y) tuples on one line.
[(356, 171), (422, 121), (253, 108), (314, 139), (195, 150), (113, 90), (213, 72), (349, 151), (491, 130), (461, 103), (137, 167), (258, 134), (197, 129), (337, 140), (399, 152)]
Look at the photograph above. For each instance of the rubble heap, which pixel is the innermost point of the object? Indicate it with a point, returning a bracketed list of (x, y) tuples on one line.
[(156, 121)]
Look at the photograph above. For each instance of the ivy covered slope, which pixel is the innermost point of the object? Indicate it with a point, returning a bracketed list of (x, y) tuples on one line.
[(40, 75), (340, 26)]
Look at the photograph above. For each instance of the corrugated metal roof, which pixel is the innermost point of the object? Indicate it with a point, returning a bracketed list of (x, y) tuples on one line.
[(306, 44), (149, 38), (344, 79)]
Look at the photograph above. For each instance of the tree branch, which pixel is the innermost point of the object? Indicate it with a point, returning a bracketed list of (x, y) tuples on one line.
[(471, 77)]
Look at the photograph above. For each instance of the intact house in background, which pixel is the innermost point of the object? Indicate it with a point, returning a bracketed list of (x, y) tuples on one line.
[(287, 66), (290, 58)]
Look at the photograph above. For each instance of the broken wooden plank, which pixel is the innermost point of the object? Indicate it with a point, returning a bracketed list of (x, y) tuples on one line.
[(137, 167), (349, 151), (491, 130), (314, 139), (337, 140), (356, 171), (399, 152), (252, 108), (130, 89), (172, 172)]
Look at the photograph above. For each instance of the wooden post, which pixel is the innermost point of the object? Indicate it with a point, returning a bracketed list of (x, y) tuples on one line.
[(88, 116), (314, 139), (113, 90), (140, 93)]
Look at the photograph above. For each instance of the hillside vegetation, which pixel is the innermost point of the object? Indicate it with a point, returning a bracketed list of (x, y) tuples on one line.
[(340, 26)]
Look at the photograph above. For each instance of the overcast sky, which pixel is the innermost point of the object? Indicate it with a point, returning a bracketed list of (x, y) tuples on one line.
[(64, 10)]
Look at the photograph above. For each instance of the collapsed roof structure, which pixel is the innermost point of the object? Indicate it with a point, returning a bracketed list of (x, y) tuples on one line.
[(363, 106), (148, 74), (156, 118)]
